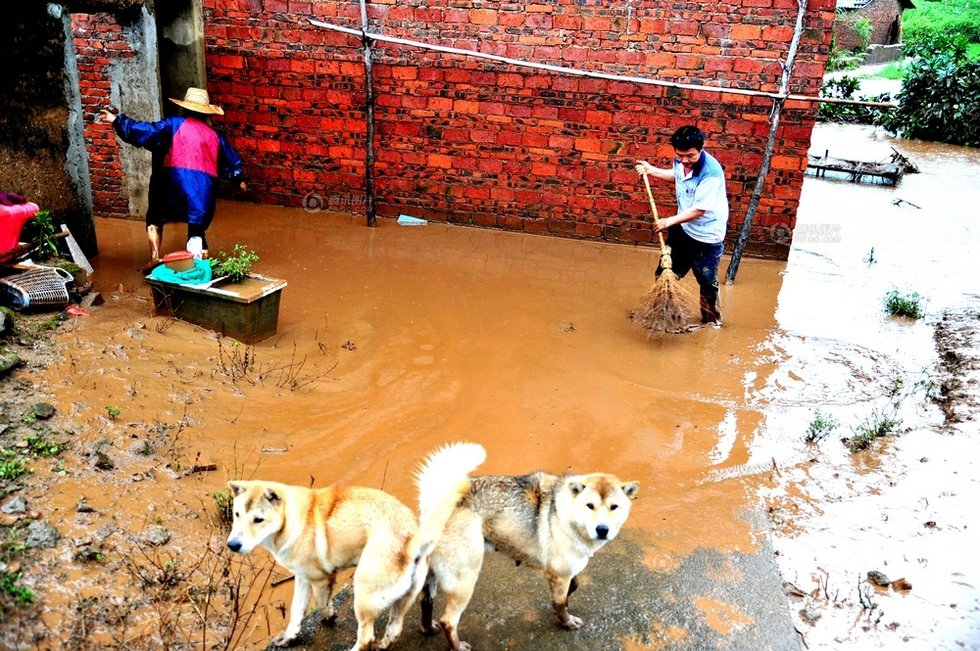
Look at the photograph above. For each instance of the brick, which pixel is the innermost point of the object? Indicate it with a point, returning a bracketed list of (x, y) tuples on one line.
[(483, 17), (743, 32)]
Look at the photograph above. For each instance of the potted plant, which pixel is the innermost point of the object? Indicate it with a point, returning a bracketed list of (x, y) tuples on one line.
[(235, 266)]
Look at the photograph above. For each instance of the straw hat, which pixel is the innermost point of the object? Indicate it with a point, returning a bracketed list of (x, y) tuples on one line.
[(197, 100)]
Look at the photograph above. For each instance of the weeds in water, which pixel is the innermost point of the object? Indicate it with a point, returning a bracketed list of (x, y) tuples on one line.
[(883, 421), (207, 602), (39, 446), (290, 376), (876, 425), (20, 595), (224, 501), (236, 363), (865, 598), (907, 305), (11, 465), (820, 427)]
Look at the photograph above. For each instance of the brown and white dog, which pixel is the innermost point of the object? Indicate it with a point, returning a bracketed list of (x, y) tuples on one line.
[(555, 523), (314, 533)]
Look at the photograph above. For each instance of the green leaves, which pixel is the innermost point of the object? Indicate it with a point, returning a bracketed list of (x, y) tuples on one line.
[(236, 265)]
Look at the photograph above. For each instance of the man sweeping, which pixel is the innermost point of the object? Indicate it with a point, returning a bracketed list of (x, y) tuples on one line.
[(696, 234)]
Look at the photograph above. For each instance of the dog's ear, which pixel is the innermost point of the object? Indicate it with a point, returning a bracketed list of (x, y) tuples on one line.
[(576, 487), (630, 489), (272, 496), (237, 487)]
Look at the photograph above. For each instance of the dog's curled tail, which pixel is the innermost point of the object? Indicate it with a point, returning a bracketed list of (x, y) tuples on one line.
[(443, 480)]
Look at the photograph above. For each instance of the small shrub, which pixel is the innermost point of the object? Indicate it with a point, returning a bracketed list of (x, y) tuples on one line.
[(43, 234), (820, 427), (41, 447), (877, 425), (844, 88), (11, 466), (235, 265), (908, 305), (224, 502), (8, 586), (113, 411)]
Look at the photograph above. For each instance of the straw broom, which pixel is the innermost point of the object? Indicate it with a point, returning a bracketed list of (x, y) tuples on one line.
[(668, 305)]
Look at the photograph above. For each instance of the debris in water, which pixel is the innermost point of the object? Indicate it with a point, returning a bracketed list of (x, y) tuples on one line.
[(408, 220), (878, 578)]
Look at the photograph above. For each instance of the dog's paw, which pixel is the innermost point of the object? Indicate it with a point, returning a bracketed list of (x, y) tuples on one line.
[(283, 640), (572, 623), (431, 629)]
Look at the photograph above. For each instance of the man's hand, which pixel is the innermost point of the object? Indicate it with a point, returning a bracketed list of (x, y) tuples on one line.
[(243, 186), (643, 167), (107, 116)]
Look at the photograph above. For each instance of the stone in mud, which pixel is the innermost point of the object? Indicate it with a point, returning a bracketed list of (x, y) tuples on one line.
[(878, 579), (16, 504), (809, 615), (82, 506), (9, 362), (41, 535), (157, 535), (43, 410), (101, 461)]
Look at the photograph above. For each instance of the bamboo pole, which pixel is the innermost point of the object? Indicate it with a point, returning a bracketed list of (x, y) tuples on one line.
[(760, 182), (725, 90), (370, 209)]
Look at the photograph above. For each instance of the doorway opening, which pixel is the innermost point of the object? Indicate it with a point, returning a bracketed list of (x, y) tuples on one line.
[(180, 34)]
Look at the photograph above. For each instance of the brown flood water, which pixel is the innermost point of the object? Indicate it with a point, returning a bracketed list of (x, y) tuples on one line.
[(395, 340)]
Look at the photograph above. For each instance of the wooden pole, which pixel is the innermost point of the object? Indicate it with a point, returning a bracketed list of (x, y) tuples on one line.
[(370, 209), (777, 109)]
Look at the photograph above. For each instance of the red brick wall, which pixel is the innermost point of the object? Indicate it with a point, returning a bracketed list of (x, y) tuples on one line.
[(99, 42), (881, 13), (479, 143)]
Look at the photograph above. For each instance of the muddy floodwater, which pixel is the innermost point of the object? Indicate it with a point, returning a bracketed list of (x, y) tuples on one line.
[(394, 340)]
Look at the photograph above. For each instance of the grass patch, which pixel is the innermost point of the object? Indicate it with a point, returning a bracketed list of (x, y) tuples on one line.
[(820, 427), (893, 70), (20, 595), (908, 304)]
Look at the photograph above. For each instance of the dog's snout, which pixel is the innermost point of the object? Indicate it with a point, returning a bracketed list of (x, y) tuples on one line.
[(234, 545), (602, 532)]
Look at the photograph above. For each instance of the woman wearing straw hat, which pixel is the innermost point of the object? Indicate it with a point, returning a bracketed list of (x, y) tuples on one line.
[(188, 159)]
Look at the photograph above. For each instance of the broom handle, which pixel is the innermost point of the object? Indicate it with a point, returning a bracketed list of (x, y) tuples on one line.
[(653, 207)]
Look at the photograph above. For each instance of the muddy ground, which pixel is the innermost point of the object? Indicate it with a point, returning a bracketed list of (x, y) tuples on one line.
[(394, 340)]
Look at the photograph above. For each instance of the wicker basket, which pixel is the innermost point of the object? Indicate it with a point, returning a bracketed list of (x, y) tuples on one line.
[(43, 287)]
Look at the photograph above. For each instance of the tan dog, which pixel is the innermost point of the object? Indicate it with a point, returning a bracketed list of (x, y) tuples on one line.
[(314, 533), (549, 522)]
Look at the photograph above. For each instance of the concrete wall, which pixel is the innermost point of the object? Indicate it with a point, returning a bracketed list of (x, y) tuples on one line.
[(40, 154), (118, 66)]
